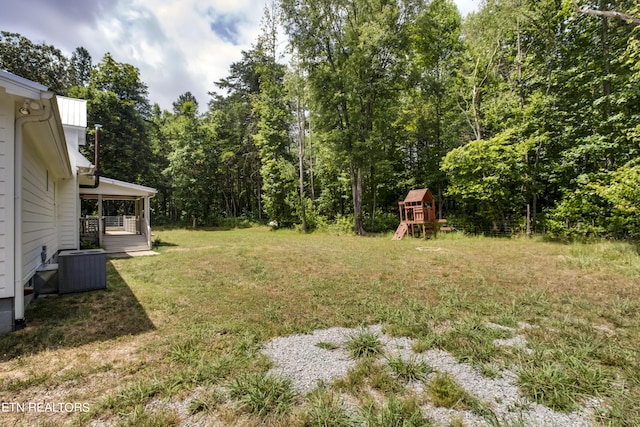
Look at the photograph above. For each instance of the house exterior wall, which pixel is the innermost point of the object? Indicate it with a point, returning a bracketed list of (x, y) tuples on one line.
[(68, 205), (39, 213), (73, 114), (6, 196)]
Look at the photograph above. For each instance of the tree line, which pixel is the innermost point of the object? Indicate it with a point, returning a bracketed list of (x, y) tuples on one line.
[(521, 117)]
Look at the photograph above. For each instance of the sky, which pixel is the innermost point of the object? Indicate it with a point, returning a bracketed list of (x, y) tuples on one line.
[(178, 45)]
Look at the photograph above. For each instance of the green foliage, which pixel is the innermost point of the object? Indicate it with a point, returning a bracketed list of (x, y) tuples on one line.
[(117, 99), (279, 194), (561, 383), (396, 412), (352, 54), (623, 193), (487, 176), (364, 344), (409, 370), (608, 204), (39, 62), (207, 402), (581, 214), (327, 410), (524, 115), (263, 395), (445, 392)]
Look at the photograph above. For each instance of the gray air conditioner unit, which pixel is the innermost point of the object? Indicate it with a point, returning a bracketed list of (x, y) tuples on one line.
[(82, 270)]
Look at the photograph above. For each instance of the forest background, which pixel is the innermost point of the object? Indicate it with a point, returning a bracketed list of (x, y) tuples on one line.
[(524, 117)]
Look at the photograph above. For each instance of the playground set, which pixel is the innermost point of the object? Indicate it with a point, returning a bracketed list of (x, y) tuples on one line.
[(418, 215)]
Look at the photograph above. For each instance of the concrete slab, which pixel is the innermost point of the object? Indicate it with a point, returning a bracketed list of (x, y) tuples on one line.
[(131, 254)]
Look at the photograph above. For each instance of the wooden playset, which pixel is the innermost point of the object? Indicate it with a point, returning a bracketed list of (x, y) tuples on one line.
[(418, 209)]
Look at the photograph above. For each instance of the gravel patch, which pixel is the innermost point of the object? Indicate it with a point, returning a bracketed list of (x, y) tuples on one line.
[(299, 358)]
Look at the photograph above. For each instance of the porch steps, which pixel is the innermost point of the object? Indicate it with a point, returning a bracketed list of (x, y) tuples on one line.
[(124, 243)]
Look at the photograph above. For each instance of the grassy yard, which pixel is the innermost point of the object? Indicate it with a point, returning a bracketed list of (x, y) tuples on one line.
[(185, 326)]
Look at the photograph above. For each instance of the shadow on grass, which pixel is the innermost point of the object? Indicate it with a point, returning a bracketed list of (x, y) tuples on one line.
[(72, 320)]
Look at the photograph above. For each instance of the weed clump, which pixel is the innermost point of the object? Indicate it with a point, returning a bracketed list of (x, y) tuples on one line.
[(263, 395), (365, 344), (409, 370)]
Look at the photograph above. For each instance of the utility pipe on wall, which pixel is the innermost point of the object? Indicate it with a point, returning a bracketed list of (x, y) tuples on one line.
[(18, 296), (96, 172)]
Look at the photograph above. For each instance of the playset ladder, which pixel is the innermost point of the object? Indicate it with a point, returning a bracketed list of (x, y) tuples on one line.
[(401, 231)]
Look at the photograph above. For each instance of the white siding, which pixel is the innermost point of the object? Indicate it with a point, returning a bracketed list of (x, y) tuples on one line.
[(68, 202), (68, 206), (6, 197), (73, 115), (39, 217)]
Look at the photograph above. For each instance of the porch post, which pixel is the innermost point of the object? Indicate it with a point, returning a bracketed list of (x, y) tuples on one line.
[(147, 220), (138, 210), (100, 223)]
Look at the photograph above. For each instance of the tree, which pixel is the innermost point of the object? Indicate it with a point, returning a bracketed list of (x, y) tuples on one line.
[(186, 104), (41, 63), (274, 122), (162, 204), (80, 67), (487, 177), (192, 161), (622, 191), (606, 14), (432, 121), (234, 117), (117, 99), (352, 52)]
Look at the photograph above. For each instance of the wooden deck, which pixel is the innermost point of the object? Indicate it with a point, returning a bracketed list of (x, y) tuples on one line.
[(122, 241)]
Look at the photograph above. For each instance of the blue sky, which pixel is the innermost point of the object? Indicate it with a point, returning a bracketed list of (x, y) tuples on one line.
[(178, 45)]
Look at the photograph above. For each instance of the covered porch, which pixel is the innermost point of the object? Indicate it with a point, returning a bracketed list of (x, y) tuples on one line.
[(125, 229)]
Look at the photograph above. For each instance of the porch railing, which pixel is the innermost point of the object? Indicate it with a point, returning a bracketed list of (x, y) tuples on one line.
[(128, 223), (89, 229)]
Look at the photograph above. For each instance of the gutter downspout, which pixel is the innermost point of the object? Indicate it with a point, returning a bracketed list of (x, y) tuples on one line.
[(96, 172), (18, 297)]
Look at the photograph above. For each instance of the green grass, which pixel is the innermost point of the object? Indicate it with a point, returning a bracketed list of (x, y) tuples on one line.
[(263, 395), (207, 402), (396, 412), (364, 344), (325, 409), (368, 374), (445, 392), (327, 346), (409, 370), (196, 317)]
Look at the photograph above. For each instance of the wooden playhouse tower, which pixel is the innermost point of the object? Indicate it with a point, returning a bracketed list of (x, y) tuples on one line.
[(417, 209)]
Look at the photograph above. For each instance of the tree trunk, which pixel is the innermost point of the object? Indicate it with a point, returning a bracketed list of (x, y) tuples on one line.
[(373, 196), (440, 200), (311, 183), (356, 190), (477, 129), (303, 215)]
